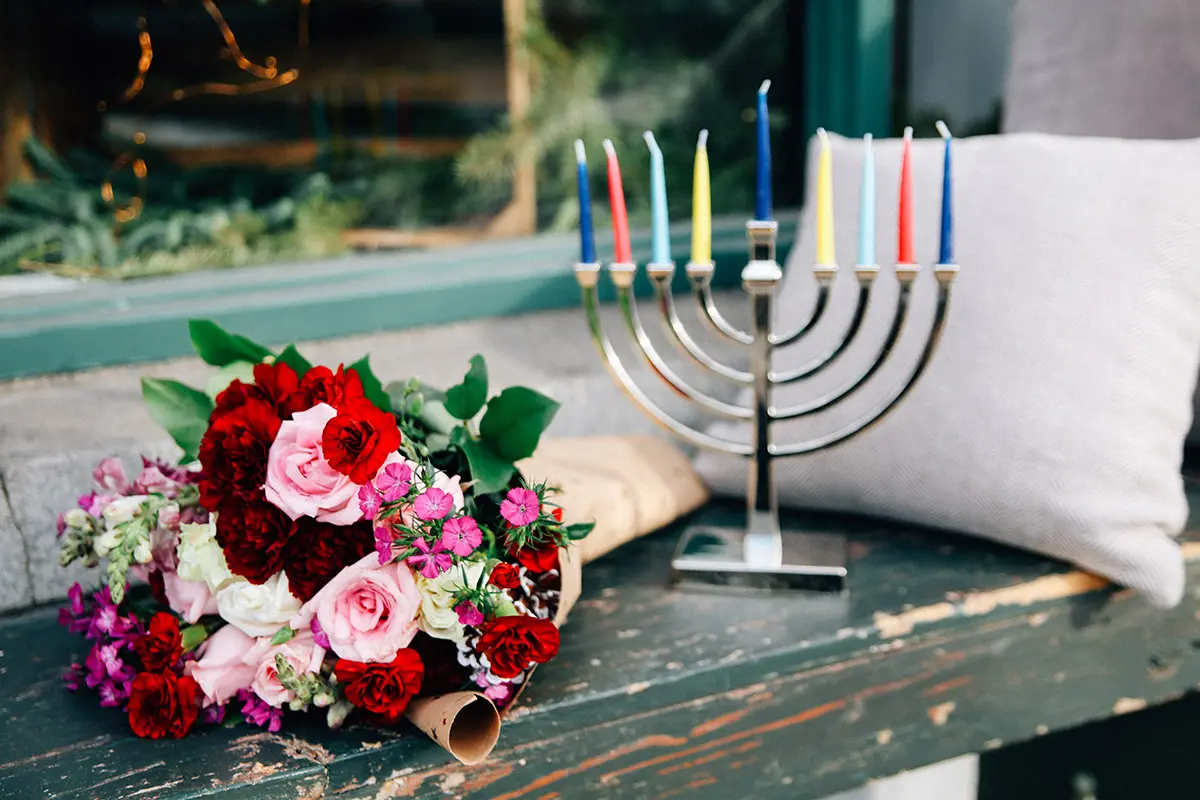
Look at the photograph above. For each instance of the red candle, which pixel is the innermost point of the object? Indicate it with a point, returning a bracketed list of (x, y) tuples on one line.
[(622, 253), (904, 250)]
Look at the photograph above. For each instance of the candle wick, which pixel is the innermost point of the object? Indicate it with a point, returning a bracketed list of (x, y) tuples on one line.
[(580, 153), (649, 137), (943, 130), (609, 149), (702, 140), (823, 136), (867, 138), (908, 134), (765, 86)]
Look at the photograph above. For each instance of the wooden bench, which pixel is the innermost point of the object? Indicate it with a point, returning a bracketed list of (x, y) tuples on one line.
[(944, 646)]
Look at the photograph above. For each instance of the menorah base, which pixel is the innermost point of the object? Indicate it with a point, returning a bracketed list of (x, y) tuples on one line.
[(712, 555)]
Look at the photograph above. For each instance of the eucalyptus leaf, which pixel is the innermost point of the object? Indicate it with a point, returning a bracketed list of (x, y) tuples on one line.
[(181, 410), (579, 530), (372, 388), (466, 399), (218, 347), (291, 356), (514, 422), (220, 380)]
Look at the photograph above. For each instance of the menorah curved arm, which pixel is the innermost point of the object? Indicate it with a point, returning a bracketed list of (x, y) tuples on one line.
[(700, 276), (622, 277), (830, 398), (945, 277), (824, 275), (660, 278), (587, 275), (866, 278)]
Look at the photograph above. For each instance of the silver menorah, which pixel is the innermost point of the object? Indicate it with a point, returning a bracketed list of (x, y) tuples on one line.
[(761, 554)]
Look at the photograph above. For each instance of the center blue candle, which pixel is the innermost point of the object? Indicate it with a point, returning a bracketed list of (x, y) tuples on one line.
[(660, 237), (762, 187), (946, 251), (587, 238)]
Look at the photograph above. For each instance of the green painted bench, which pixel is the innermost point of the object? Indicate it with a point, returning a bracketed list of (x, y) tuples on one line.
[(944, 646)]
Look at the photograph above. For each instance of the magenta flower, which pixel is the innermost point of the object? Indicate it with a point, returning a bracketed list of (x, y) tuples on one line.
[(431, 561), (320, 638), (110, 476), (433, 503), (498, 693), (72, 677), (393, 481), (383, 543), (74, 616), (520, 507), (461, 536), (213, 715), (258, 712), (94, 503), (468, 614), (104, 664), (369, 501), (113, 694)]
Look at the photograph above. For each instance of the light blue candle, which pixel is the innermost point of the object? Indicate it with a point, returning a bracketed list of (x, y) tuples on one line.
[(946, 251), (866, 206), (660, 242), (762, 185), (587, 238)]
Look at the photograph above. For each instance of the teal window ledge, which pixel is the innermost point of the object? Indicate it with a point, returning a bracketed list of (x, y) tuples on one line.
[(91, 324)]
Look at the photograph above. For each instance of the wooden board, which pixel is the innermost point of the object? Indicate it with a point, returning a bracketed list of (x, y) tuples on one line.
[(944, 646)]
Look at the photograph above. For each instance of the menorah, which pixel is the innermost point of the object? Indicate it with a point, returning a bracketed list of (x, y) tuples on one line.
[(762, 554)]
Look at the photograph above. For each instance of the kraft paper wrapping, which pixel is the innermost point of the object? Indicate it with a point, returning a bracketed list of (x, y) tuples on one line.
[(629, 486)]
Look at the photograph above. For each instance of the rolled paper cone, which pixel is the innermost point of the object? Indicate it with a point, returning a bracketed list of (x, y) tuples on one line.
[(627, 485), (465, 724), (570, 567)]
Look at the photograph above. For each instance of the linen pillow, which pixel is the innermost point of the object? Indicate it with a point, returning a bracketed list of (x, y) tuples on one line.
[(1053, 414)]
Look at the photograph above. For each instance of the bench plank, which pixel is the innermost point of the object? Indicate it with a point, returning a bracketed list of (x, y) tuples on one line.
[(944, 646)]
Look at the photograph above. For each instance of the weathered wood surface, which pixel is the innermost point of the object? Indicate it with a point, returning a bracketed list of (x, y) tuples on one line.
[(944, 646)]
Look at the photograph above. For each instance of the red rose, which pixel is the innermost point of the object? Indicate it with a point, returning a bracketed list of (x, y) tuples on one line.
[(160, 704), (233, 454), (505, 576), (358, 440), (162, 645), (274, 384), (513, 644), (382, 689), (317, 551), (253, 537), (542, 558), (321, 385)]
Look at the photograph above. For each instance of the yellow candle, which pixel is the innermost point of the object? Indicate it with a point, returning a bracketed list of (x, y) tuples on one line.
[(825, 202), (701, 205)]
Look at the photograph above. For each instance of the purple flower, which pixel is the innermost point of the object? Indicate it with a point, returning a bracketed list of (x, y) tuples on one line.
[(520, 507), (498, 693), (74, 616), (153, 481), (60, 524), (258, 712), (461, 536), (383, 543), (393, 481), (94, 503), (468, 614), (368, 501), (178, 474), (110, 476), (213, 715), (104, 664), (431, 562), (113, 694), (320, 638), (433, 503), (72, 677)]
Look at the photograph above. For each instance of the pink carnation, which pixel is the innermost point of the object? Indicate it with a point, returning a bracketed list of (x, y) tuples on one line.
[(520, 507)]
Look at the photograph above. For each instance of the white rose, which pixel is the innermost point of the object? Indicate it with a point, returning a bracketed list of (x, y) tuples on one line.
[(200, 557), (257, 610), (123, 509), (438, 617)]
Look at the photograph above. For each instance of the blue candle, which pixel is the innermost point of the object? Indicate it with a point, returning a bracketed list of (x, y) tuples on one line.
[(587, 238), (866, 207), (762, 188), (946, 252), (660, 242)]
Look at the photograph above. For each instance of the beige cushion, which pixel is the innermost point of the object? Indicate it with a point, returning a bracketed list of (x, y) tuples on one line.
[(1053, 415)]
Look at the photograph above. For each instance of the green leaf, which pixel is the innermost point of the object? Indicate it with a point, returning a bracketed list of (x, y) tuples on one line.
[(291, 356), (371, 385), (491, 472), (219, 347), (464, 401), (283, 635), (193, 636), (514, 422), (579, 530), (181, 410), (220, 380)]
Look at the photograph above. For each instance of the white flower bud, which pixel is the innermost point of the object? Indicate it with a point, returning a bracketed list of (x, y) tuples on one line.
[(106, 542), (338, 712), (142, 553), (76, 518)]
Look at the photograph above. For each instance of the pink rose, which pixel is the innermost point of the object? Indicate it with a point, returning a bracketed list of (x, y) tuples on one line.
[(189, 599), (223, 668), (302, 652), (300, 482), (368, 610)]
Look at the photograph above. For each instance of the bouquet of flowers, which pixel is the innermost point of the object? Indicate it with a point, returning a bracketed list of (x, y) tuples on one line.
[(326, 543)]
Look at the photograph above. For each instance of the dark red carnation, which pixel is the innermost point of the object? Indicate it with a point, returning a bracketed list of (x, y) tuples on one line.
[(382, 689), (506, 576), (542, 558), (443, 673), (274, 384), (233, 455), (358, 440), (161, 704), (252, 537), (321, 385), (317, 551), (161, 645), (157, 587), (513, 644)]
